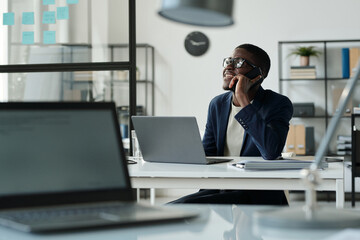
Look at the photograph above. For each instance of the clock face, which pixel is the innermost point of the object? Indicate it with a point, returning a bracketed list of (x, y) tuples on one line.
[(196, 43)]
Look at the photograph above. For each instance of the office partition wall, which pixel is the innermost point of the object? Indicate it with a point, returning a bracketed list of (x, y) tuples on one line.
[(60, 50)]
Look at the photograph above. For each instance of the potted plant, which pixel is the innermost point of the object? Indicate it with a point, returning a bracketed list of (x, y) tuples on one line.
[(305, 53)]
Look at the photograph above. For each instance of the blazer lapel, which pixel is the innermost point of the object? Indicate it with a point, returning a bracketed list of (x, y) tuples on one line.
[(224, 118)]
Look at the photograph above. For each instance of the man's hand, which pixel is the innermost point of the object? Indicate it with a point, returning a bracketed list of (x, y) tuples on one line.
[(243, 93)]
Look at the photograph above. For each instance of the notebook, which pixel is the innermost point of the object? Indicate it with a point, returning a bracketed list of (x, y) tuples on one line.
[(171, 140), (63, 167), (283, 164)]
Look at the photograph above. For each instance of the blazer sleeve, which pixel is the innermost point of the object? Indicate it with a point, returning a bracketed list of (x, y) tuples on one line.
[(267, 126), (209, 138)]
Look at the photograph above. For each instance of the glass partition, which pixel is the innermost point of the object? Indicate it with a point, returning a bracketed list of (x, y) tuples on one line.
[(79, 86), (65, 31)]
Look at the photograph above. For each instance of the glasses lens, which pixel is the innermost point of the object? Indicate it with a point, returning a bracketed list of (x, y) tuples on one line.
[(236, 62), (226, 62)]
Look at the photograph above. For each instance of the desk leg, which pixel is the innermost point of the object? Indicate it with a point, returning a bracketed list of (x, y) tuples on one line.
[(152, 196), (138, 194), (340, 194)]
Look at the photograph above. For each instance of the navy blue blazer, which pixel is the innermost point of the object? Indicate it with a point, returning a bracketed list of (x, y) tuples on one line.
[(266, 124)]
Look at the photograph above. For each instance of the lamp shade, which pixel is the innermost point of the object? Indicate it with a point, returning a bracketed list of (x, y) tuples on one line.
[(211, 13)]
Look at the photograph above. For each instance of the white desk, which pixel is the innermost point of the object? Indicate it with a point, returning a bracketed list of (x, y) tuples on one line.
[(215, 222), (222, 176)]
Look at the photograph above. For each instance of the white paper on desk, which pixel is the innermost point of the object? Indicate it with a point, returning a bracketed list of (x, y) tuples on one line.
[(287, 164), (347, 234)]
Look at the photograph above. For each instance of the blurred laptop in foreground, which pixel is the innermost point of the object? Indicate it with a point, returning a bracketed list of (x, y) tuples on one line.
[(63, 167)]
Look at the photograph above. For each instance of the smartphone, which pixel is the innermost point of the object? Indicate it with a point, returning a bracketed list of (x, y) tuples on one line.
[(252, 74)]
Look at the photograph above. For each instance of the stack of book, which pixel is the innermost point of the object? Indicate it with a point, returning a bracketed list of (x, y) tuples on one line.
[(356, 110), (343, 145), (302, 72), (83, 76)]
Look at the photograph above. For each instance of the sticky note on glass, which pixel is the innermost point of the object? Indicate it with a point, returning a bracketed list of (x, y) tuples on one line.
[(8, 18), (48, 2), (28, 18), (62, 13), (28, 38), (49, 37), (49, 17), (72, 1)]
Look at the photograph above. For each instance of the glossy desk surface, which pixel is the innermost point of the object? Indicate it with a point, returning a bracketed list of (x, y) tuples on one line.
[(228, 222)]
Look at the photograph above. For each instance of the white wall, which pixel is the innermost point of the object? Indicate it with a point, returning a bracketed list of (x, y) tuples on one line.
[(186, 84)]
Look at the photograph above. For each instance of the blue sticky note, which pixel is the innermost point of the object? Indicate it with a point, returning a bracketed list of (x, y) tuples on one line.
[(48, 2), (72, 1), (8, 18), (49, 37), (62, 13), (28, 38), (28, 18), (48, 17)]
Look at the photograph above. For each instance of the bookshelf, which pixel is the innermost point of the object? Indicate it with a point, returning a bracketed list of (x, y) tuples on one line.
[(321, 86), (117, 84)]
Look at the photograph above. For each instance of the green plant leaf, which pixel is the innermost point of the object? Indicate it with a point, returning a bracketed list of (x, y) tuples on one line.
[(306, 51)]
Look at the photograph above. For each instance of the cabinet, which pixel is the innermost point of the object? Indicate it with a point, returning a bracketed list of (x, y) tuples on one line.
[(323, 90)]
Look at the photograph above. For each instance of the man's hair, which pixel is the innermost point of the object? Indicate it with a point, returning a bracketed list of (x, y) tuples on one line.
[(262, 58)]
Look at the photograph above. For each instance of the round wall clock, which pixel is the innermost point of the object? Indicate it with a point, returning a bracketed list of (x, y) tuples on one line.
[(196, 43)]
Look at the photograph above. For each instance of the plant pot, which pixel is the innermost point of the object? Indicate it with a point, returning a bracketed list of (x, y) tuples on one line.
[(304, 60)]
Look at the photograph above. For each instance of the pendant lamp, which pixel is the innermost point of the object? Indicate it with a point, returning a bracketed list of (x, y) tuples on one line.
[(210, 13)]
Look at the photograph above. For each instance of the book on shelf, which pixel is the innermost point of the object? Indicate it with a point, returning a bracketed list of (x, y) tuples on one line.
[(301, 76), (343, 152), (342, 141), (303, 67), (354, 54), (345, 63), (298, 72), (298, 69), (356, 110), (302, 73), (343, 146), (83, 76), (344, 138)]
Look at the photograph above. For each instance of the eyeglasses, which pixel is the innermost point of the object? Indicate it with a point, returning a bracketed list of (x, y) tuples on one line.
[(236, 62)]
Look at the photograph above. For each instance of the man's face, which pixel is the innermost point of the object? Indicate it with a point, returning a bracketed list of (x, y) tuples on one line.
[(229, 71)]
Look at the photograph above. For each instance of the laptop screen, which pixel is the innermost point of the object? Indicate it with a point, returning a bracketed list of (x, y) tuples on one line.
[(62, 149)]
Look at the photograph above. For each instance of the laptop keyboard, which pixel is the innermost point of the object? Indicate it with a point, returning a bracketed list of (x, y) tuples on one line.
[(111, 212)]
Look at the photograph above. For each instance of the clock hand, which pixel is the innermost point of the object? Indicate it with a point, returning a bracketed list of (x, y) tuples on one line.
[(201, 43), (193, 42), (197, 43)]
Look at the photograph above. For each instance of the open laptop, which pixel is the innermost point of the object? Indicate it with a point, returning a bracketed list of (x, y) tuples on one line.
[(171, 140), (63, 166)]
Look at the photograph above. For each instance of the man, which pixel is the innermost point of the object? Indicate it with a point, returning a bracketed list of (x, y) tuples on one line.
[(245, 121)]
